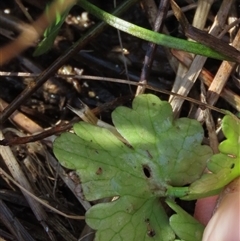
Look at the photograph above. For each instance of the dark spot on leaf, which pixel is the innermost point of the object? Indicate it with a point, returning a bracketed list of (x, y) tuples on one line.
[(99, 171), (232, 166), (147, 171), (150, 232)]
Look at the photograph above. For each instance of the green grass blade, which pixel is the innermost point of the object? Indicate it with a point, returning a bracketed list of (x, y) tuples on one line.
[(151, 36)]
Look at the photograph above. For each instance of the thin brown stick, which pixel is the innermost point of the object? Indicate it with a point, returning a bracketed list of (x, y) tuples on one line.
[(184, 84), (203, 37), (33, 31), (18, 175), (148, 59), (220, 79), (2, 172), (60, 61), (232, 98)]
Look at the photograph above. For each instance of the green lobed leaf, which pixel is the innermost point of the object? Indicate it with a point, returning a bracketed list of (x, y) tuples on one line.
[(171, 148), (225, 166), (162, 153), (185, 226)]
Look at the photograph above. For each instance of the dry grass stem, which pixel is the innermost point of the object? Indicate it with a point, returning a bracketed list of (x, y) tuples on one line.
[(184, 84), (220, 79)]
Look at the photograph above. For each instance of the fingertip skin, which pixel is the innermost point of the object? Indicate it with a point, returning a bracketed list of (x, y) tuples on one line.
[(225, 223), (204, 209)]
